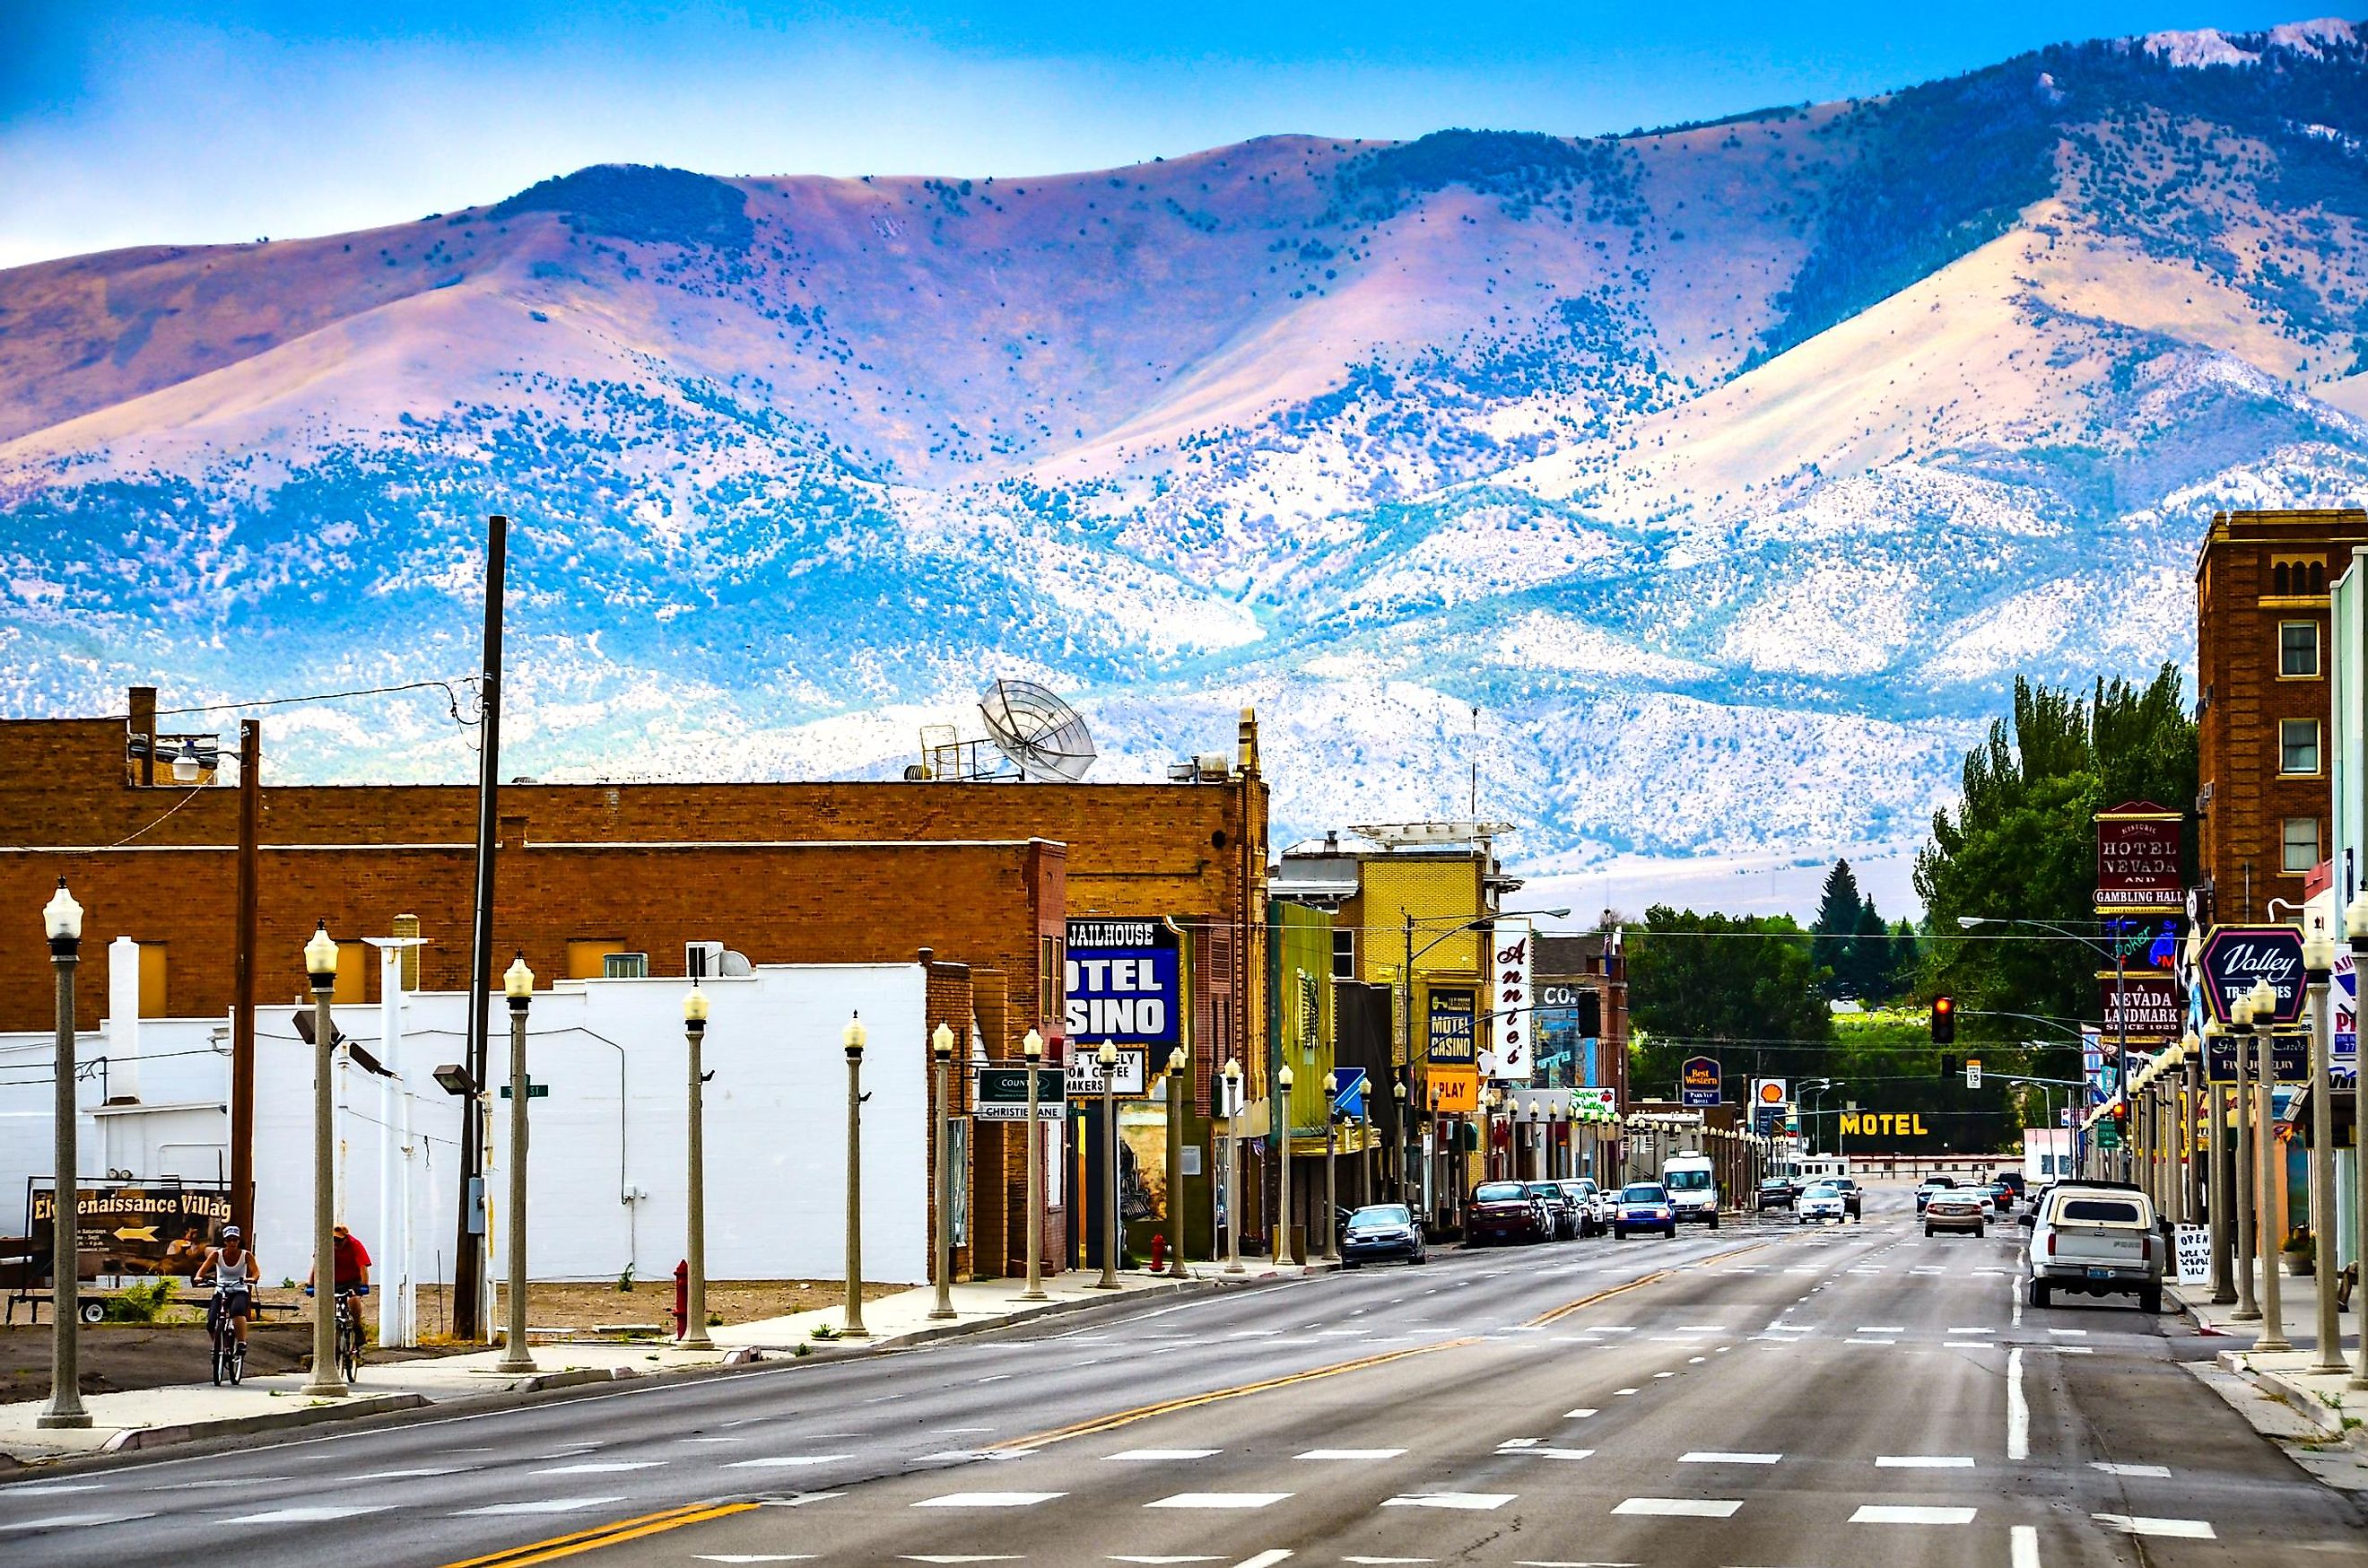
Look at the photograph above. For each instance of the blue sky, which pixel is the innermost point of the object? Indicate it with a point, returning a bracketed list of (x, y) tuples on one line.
[(131, 123)]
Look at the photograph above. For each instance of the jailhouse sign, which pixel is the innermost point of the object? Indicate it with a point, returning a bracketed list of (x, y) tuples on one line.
[(1123, 983), (2233, 957), (2138, 860)]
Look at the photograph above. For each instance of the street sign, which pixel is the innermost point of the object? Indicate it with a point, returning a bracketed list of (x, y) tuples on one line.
[(2109, 1133), (1085, 1075), (2289, 1059), (2233, 957), (2192, 1247), (1003, 1094), (1973, 1072), (1769, 1119), (1349, 1092), (1698, 1080), (534, 1091)]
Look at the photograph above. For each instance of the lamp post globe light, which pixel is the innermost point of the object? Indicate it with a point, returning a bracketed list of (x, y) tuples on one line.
[(852, 1319), (1283, 1080), (321, 967), (2269, 1232), (2355, 930), (62, 921), (1176, 1059), (1232, 1166), (941, 1055), (1107, 1058), (694, 1324), (1031, 1052), (518, 988)]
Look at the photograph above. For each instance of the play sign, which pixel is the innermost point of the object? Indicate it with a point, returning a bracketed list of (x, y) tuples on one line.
[(2235, 957)]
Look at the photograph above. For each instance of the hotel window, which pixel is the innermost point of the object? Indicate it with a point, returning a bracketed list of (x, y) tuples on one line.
[(2300, 849), (2298, 745), (1344, 955), (2297, 648)]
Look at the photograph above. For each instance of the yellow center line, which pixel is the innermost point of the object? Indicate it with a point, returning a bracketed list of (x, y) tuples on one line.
[(603, 1535)]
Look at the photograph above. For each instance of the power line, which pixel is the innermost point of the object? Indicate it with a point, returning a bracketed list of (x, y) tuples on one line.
[(446, 686)]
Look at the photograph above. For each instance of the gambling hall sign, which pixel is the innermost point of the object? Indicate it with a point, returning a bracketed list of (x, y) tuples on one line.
[(2138, 860)]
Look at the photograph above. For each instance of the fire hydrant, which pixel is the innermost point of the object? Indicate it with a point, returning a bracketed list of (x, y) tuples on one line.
[(682, 1298), (1159, 1249)]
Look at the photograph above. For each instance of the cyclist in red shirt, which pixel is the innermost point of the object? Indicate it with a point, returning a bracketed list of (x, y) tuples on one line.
[(351, 1266)]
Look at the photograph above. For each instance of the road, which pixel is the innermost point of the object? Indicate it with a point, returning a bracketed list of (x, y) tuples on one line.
[(1756, 1397)]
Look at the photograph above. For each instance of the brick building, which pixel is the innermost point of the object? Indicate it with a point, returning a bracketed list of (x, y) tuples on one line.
[(2261, 659), (587, 877)]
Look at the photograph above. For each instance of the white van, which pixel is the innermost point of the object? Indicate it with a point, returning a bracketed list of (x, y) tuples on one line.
[(1694, 1187)]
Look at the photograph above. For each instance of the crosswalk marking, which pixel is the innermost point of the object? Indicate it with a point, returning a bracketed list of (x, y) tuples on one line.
[(1219, 1500), (1481, 1501), (2174, 1529), (1681, 1507), (1894, 1513), (988, 1499)]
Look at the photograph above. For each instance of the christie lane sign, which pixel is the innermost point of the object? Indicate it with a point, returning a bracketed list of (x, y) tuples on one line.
[(2235, 957)]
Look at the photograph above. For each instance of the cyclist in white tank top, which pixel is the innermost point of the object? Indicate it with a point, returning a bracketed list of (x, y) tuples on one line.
[(235, 1271)]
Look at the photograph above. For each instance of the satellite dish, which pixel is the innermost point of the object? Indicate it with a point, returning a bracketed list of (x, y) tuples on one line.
[(1042, 736)]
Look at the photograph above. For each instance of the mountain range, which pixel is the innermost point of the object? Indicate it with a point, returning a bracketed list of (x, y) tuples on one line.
[(1730, 472)]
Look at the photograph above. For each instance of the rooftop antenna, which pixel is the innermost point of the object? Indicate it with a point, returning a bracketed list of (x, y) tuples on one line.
[(1475, 811), (1043, 736)]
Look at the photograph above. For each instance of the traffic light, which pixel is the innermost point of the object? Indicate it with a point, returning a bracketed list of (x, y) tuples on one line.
[(1948, 1067), (1944, 1020)]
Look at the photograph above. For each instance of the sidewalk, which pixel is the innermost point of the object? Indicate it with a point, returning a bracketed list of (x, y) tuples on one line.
[(2312, 1410), (149, 1417)]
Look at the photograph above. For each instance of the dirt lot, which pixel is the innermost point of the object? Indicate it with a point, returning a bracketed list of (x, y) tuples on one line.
[(594, 1303), (116, 1357)]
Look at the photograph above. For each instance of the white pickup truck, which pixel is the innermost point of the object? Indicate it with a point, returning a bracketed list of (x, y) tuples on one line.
[(2096, 1241)]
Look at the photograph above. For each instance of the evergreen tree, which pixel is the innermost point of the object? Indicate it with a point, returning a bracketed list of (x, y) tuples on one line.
[(1869, 973), (1839, 913), (1742, 989)]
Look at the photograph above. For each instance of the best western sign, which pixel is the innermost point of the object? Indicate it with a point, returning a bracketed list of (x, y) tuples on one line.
[(1883, 1124)]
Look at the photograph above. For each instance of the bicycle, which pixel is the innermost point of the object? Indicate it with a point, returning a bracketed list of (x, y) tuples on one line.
[(349, 1330), (229, 1350)]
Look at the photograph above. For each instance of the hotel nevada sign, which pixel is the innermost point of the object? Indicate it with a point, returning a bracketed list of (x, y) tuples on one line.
[(2138, 860)]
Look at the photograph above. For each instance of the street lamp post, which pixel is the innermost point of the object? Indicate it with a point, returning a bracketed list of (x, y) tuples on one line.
[(2221, 1169), (941, 1052), (1282, 1079), (1365, 1154), (1108, 1059), (1331, 1191), (1232, 1166), (62, 918), (1176, 1162), (1397, 1095), (1031, 1052), (852, 1318), (2240, 1015), (517, 986), (2319, 966), (2355, 929), (2267, 1230), (694, 1324), (321, 965)]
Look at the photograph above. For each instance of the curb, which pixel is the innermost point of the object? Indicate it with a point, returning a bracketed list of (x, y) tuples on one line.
[(136, 1437), (2286, 1391), (823, 1348)]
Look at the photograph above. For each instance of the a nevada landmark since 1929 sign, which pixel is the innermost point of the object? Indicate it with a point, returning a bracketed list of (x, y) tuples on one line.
[(2138, 860)]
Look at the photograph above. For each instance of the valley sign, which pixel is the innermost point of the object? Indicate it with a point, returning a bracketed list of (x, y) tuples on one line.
[(2233, 957)]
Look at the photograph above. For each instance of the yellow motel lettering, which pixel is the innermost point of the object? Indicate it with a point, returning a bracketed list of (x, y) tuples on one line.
[(1883, 1124)]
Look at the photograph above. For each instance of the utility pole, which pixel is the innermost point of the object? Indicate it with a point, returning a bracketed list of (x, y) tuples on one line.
[(242, 1015), (468, 1249)]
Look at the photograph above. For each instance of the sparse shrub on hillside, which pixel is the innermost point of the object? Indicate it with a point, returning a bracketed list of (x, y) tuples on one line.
[(649, 204)]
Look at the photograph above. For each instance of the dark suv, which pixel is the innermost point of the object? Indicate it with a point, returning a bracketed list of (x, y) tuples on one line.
[(1506, 1211)]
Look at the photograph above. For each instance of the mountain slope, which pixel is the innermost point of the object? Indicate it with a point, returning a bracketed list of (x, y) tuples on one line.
[(1731, 470)]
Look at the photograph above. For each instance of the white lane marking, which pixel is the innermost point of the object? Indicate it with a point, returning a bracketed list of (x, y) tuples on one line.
[(1973, 1331), (1923, 1461), (1895, 1514), (1577, 1415), (2069, 1333), (1219, 1500), (2022, 1545), (1696, 1360), (1870, 1342), (1922, 1270), (602, 1466), (923, 1557), (1701, 1328), (1681, 1507), (998, 1378), (1665, 1374), (1159, 1455), (1531, 1449), (1967, 1345), (546, 1506), (215, 1485), (956, 1431), (2066, 1349), (988, 1500), (2017, 1409), (315, 1514), (65, 1521), (1480, 1501), (1617, 1393), (754, 1557), (1882, 1328), (882, 1399), (788, 1461), (1382, 1561), (735, 1437), (1266, 1559), (1704, 1456), (1351, 1454), (797, 1499), (2139, 1524), (2156, 1471), (1800, 1271), (48, 1488), (1781, 1327), (1121, 1557)]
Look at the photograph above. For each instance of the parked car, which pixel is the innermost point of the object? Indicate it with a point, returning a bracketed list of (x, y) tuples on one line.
[(1775, 1192), (1560, 1209), (1594, 1209), (1382, 1231), (1505, 1210), (1929, 1185), (1822, 1201), (1643, 1206), (1853, 1198), (1956, 1208), (2096, 1240)]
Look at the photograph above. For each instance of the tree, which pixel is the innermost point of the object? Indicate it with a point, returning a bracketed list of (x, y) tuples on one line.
[(1743, 989), (2021, 845), (1869, 965), (1838, 910)]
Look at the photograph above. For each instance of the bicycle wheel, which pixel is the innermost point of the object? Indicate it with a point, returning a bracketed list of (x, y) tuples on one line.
[(237, 1363), (349, 1351), (222, 1363)]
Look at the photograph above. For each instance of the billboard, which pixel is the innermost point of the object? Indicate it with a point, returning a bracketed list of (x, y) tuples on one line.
[(1450, 1038), (2138, 860), (163, 1229), (1510, 949), (1124, 983), (2235, 957)]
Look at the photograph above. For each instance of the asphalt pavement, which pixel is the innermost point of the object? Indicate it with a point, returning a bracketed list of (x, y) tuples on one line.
[(1762, 1396)]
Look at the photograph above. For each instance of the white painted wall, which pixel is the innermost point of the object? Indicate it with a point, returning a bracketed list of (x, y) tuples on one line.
[(606, 1182)]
